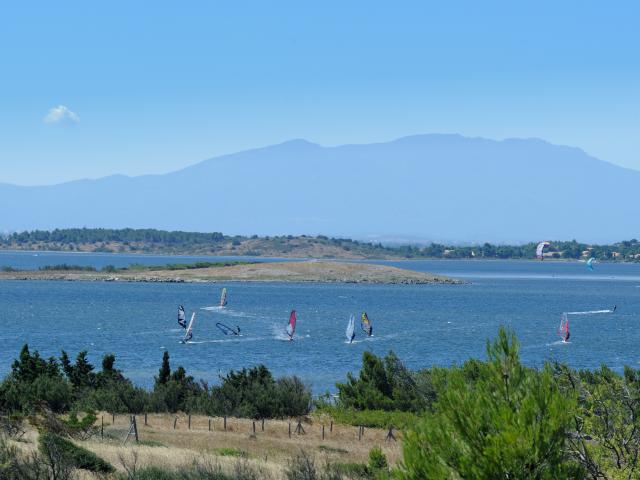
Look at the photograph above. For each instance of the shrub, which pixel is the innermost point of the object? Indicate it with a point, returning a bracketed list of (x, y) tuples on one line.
[(512, 422), (377, 459), (52, 445)]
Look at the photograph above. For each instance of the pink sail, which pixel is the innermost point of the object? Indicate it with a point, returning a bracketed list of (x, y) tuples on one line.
[(291, 327)]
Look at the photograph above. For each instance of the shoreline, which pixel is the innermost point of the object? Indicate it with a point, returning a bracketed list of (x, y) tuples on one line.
[(310, 271), (284, 257)]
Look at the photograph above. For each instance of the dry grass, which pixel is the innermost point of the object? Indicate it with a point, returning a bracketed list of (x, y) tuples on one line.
[(269, 450)]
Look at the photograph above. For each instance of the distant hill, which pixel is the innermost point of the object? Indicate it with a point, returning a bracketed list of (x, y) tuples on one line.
[(427, 187), (198, 243)]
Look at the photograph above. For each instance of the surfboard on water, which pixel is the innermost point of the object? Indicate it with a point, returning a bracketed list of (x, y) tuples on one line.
[(189, 333), (227, 330), (291, 326), (563, 329)]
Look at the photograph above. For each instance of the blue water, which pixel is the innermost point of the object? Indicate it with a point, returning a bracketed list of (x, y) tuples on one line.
[(424, 324), (33, 260)]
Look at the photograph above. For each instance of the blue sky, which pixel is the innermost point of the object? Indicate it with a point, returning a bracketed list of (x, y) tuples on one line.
[(155, 86)]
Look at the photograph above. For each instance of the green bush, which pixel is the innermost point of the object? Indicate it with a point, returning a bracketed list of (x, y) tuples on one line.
[(377, 459), (512, 422), (51, 444), (370, 418)]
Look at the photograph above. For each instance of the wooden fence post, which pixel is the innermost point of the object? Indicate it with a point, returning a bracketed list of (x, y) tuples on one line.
[(360, 433), (254, 427), (145, 419), (102, 427), (289, 429), (175, 422), (113, 418), (331, 427), (263, 424), (189, 427), (323, 432), (209, 424), (135, 427), (225, 423), (390, 435)]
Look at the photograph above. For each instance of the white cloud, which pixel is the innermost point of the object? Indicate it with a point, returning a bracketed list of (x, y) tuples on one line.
[(62, 115)]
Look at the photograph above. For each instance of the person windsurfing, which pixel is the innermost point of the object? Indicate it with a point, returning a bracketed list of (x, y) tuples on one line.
[(291, 326), (189, 333), (563, 330), (351, 331), (366, 325), (238, 330), (181, 320)]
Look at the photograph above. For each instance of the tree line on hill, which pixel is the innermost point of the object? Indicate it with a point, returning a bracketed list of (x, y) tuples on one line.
[(159, 241), (495, 418)]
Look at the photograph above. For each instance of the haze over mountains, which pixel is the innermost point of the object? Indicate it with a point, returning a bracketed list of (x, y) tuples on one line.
[(423, 188)]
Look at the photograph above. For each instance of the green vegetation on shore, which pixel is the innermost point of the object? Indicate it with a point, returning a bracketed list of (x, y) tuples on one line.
[(163, 242), (483, 419)]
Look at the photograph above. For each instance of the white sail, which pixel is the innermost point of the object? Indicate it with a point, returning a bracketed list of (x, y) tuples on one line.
[(351, 328), (592, 312), (189, 333), (223, 297)]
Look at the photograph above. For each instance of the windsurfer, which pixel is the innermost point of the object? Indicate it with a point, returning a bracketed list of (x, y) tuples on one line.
[(238, 330), (181, 319)]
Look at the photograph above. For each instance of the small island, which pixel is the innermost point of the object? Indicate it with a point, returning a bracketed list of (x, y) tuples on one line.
[(300, 271)]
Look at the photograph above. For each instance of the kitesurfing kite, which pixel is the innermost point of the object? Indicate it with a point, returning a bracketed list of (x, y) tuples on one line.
[(189, 333), (540, 250), (291, 326), (181, 319), (365, 324), (563, 330), (590, 263), (227, 330), (351, 328), (223, 297)]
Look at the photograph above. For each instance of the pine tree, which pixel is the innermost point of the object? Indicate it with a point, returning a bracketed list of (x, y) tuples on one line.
[(165, 370), (512, 422)]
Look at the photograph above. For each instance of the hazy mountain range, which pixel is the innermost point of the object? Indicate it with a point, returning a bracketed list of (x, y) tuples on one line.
[(426, 187)]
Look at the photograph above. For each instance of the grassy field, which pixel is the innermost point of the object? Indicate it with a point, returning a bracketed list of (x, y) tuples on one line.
[(269, 450)]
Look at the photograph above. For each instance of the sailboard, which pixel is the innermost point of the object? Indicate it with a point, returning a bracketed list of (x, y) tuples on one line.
[(540, 250), (291, 326), (189, 333), (365, 324), (563, 329), (227, 330), (590, 263), (181, 320), (223, 298), (351, 328), (594, 312)]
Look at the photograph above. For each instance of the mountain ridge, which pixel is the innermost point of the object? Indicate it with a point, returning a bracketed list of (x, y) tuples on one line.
[(434, 186)]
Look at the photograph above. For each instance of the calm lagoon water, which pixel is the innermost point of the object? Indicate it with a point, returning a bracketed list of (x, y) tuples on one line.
[(424, 324)]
